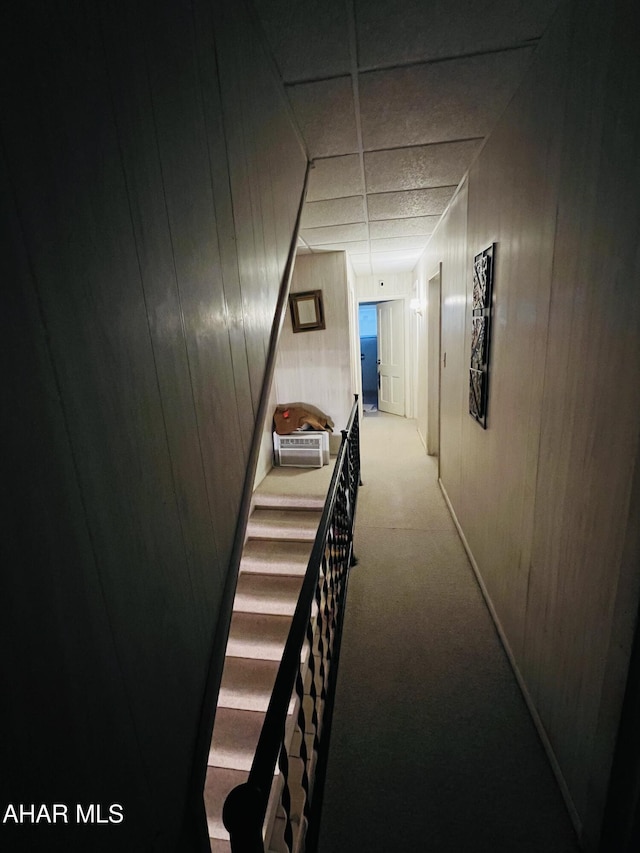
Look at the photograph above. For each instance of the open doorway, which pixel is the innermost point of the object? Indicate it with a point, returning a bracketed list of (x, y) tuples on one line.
[(368, 324), (382, 356)]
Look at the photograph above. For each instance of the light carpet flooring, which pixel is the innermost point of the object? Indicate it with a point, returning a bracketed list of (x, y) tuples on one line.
[(432, 746)]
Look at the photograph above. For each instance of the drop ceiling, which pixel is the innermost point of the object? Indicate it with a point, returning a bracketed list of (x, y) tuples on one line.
[(394, 99)]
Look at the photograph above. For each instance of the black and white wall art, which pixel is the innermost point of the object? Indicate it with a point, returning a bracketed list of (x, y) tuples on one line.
[(480, 334)]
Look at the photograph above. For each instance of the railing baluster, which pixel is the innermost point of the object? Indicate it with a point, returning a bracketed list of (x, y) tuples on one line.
[(325, 584), (285, 798)]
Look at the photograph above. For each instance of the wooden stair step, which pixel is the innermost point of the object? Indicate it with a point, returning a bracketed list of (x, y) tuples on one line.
[(273, 500), (295, 525), (272, 594), (235, 736), (219, 783), (275, 557), (247, 684), (257, 636)]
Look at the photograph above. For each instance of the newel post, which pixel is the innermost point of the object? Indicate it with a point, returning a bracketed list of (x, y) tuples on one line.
[(241, 815)]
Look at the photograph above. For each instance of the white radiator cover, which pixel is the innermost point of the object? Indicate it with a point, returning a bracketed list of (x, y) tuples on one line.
[(302, 449)]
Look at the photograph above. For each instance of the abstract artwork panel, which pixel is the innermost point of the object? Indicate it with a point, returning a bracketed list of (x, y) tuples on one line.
[(477, 394), (482, 280), (481, 308), (478, 342)]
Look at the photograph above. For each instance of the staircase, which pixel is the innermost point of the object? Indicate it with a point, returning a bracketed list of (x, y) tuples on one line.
[(280, 536)]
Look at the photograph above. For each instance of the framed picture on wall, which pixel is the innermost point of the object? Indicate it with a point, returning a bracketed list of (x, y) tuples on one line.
[(481, 309), (307, 311)]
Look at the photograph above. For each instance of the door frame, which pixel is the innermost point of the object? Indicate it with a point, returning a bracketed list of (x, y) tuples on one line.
[(409, 404), (434, 361)]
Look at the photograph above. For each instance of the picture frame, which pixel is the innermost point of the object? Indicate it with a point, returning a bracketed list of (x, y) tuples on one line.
[(307, 311)]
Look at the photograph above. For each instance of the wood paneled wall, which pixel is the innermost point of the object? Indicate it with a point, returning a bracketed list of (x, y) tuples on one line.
[(544, 496), (371, 288), (315, 367), (151, 178)]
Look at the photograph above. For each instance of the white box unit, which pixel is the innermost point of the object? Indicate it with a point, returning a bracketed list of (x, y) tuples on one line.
[(302, 449)]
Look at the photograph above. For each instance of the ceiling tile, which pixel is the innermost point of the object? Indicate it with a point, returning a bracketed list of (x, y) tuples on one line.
[(308, 38), (325, 115), (384, 263), (425, 166), (457, 99), (335, 234), (443, 28), (409, 227), (335, 177), (397, 243), (336, 211), (410, 203)]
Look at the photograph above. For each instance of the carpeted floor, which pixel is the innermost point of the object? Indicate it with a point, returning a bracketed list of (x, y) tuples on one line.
[(432, 747)]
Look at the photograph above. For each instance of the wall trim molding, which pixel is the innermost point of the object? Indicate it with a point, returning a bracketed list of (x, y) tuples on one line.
[(555, 766)]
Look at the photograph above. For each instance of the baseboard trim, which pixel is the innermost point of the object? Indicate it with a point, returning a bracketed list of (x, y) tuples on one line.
[(555, 766)]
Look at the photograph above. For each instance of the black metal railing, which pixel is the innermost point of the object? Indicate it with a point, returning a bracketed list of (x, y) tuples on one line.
[(306, 677)]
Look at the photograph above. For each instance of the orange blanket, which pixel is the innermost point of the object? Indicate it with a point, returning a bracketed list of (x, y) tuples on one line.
[(292, 416)]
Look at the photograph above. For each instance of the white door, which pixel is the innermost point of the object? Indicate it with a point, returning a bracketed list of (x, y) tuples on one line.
[(391, 357)]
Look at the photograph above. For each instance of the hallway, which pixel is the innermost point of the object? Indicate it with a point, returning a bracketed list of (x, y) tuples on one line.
[(432, 746)]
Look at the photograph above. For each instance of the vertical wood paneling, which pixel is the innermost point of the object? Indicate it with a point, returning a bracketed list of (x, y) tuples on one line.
[(183, 151), (133, 114), (209, 81), (594, 330), (450, 250), (261, 204), (315, 367), (131, 340), (394, 286), (96, 319), (51, 589), (512, 202), (544, 496)]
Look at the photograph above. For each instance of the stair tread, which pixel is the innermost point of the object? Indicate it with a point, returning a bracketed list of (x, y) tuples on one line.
[(275, 557), (298, 525), (273, 594), (258, 636), (219, 783), (247, 684), (235, 737), (273, 500)]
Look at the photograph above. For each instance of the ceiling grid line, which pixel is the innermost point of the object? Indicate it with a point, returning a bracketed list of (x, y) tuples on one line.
[(373, 69), (353, 56)]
